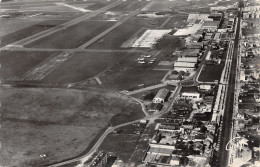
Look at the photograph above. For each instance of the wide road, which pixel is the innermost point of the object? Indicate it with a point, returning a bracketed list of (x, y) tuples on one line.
[(227, 118)]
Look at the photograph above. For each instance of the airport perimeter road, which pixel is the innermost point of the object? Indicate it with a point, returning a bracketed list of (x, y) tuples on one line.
[(64, 25), (223, 157)]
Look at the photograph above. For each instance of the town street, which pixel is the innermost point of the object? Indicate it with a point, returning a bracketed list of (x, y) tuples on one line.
[(227, 118)]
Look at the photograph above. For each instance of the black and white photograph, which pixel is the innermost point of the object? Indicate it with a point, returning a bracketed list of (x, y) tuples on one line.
[(129, 83)]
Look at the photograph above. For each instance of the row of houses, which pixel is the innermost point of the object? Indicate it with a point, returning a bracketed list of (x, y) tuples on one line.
[(251, 15), (174, 142)]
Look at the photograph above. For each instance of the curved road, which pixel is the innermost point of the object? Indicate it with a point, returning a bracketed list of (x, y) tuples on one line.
[(85, 157)]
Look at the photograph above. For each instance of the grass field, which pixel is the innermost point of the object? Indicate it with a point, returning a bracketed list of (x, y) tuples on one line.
[(90, 4), (16, 63), (82, 66), (124, 32), (72, 37), (98, 4), (208, 70), (9, 26), (176, 22), (127, 73), (26, 32), (131, 78), (129, 6), (165, 5), (58, 123)]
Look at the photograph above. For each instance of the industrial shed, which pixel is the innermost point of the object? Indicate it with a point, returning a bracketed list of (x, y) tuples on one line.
[(184, 66), (188, 59), (160, 96)]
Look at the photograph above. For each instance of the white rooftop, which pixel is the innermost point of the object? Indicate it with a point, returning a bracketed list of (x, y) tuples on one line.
[(189, 30), (184, 64), (188, 59), (149, 38)]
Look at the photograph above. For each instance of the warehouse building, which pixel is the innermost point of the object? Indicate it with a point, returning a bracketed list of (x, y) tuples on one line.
[(160, 96), (190, 95), (211, 26), (184, 66), (187, 59), (194, 55), (183, 53), (216, 16)]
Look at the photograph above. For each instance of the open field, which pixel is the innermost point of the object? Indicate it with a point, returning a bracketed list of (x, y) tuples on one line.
[(131, 78), (165, 5), (52, 6), (16, 63), (90, 4), (120, 11), (96, 4), (82, 66), (9, 26), (208, 70), (129, 30), (109, 16), (129, 5), (23, 33), (52, 15), (73, 36), (176, 22), (56, 122), (127, 73)]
